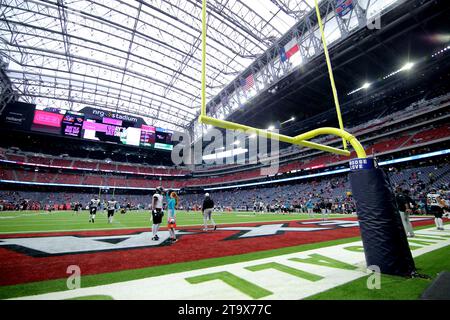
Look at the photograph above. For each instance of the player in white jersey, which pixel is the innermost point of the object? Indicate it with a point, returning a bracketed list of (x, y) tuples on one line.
[(112, 206), (436, 207), (157, 211), (93, 205)]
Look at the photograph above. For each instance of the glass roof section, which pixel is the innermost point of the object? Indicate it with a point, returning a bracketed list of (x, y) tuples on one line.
[(136, 57)]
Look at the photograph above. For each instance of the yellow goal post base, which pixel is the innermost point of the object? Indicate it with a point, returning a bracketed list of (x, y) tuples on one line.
[(297, 140)]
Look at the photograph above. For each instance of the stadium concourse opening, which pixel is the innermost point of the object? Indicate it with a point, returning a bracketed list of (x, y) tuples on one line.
[(230, 150)]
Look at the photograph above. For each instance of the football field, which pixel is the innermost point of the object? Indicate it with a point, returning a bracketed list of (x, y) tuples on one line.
[(60, 255), (42, 221)]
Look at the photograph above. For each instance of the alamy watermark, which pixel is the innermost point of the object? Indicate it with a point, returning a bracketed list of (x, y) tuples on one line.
[(74, 280), (227, 147), (374, 23), (374, 279)]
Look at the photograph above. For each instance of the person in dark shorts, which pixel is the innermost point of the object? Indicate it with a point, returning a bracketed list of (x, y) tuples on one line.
[(436, 207), (404, 205), (157, 211), (207, 209), (112, 206), (93, 205)]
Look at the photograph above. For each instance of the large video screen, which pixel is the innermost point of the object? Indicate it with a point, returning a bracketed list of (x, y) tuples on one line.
[(72, 123), (105, 130), (148, 136), (48, 121), (163, 139), (17, 116), (101, 126)]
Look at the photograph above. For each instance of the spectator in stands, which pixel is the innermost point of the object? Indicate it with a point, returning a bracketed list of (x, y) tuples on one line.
[(329, 206), (310, 206), (431, 177), (323, 208)]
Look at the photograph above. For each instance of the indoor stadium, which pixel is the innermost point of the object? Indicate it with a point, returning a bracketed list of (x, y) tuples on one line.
[(224, 150)]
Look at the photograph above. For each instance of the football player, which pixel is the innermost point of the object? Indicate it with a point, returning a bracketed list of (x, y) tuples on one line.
[(172, 202), (157, 211), (436, 204), (112, 206), (93, 205)]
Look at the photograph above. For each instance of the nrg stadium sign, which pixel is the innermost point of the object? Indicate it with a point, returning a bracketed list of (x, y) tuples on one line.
[(97, 113)]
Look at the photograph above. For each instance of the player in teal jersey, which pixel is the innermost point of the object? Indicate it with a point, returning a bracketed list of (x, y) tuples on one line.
[(172, 202)]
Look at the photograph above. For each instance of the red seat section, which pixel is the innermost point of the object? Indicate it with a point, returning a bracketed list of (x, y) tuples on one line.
[(14, 157), (430, 135), (68, 178), (6, 174), (40, 160), (62, 162), (23, 175), (127, 168), (127, 175), (107, 166), (85, 164), (388, 144), (147, 170)]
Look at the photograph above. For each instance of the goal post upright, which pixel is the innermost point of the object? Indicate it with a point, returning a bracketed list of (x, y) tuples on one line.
[(298, 140), (384, 239), (203, 93), (330, 71)]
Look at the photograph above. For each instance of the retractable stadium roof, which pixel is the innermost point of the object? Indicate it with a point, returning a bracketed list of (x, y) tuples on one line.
[(136, 57)]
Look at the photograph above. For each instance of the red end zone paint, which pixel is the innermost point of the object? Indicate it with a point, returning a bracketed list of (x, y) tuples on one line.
[(17, 267)]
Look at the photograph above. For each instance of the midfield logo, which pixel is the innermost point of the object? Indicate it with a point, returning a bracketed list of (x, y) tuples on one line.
[(279, 228), (60, 245), (276, 229)]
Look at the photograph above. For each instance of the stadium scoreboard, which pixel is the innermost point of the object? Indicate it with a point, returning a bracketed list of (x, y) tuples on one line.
[(90, 124)]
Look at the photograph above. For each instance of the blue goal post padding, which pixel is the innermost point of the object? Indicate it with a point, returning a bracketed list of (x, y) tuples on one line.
[(383, 236)]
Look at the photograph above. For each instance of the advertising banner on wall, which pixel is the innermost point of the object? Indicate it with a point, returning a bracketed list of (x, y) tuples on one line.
[(17, 116)]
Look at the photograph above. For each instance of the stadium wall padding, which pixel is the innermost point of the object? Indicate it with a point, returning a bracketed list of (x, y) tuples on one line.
[(383, 236)]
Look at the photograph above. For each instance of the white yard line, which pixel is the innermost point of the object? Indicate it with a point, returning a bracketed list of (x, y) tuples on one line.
[(278, 284)]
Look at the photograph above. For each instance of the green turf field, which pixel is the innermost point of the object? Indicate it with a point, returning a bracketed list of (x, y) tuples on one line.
[(392, 287), (30, 221), (42, 221), (34, 288)]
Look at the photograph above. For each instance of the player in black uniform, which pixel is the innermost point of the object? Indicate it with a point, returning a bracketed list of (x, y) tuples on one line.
[(157, 211), (93, 205), (112, 206)]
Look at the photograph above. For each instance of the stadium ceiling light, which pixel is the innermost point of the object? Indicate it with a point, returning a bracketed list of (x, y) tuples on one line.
[(289, 120), (406, 67), (271, 128), (440, 52), (366, 86)]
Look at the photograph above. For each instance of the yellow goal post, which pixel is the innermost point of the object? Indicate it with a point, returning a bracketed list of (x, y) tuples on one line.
[(301, 139)]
